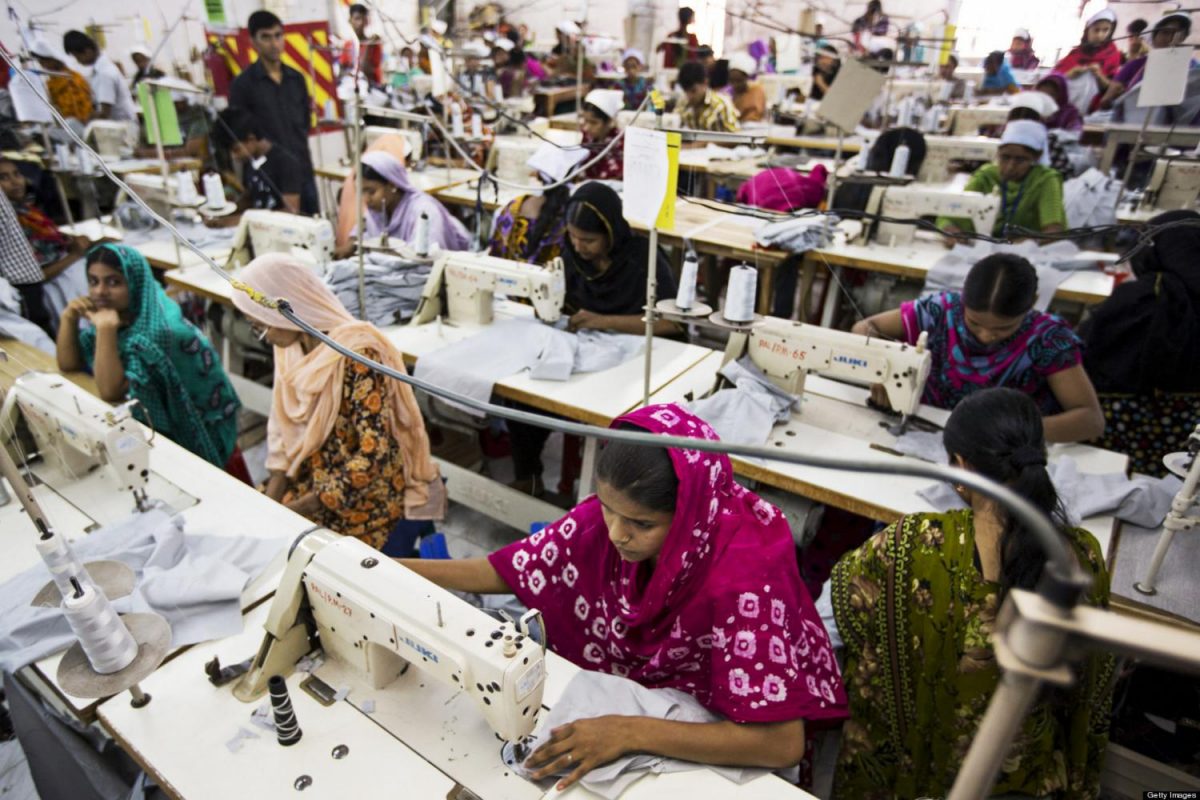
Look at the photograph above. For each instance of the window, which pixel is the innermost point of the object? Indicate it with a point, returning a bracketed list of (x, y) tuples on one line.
[(984, 25)]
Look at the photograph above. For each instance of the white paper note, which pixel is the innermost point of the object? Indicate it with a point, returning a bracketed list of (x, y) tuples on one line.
[(645, 174), (1165, 80), (28, 104)]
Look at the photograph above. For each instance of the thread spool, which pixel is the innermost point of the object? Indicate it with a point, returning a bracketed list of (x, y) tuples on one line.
[(287, 729), (456, 121), (421, 243), (476, 126), (480, 85), (899, 167), (945, 91), (214, 191), (185, 188), (107, 643), (969, 93), (64, 156), (498, 93), (740, 296), (685, 298), (62, 562)]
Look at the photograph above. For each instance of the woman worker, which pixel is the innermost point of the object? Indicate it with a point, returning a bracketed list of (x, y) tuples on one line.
[(598, 123), (990, 335), (920, 665), (1096, 53), (395, 207), (1030, 193), (533, 227), (671, 575), (139, 346), (346, 447)]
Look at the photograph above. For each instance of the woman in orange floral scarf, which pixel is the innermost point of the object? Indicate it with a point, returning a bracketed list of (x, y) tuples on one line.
[(915, 607)]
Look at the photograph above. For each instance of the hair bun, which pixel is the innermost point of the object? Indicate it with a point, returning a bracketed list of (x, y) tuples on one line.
[(1028, 455)]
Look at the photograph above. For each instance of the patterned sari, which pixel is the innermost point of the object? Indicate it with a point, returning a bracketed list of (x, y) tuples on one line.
[(510, 236), (916, 616)]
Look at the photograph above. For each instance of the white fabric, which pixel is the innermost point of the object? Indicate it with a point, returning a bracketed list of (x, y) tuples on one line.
[(746, 413), (591, 694), (194, 581), (568, 27), (109, 87), (1026, 133), (1081, 89), (610, 101), (1091, 199), (743, 63), (555, 161), (39, 45)]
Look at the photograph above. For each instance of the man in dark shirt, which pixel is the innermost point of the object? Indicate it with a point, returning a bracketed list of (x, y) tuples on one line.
[(271, 176), (276, 96)]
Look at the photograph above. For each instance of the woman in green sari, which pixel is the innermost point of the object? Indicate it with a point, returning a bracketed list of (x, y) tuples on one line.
[(915, 606), (139, 346)]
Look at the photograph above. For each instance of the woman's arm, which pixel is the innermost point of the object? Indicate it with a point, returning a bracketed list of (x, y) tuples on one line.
[(1081, 419), (586, 744), (460, 574), (889, 324), (277, 485), (108, 369), (618, 323), (67, 342)]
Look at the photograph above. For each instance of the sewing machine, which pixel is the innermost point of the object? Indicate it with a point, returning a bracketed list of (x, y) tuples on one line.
[(161, 196), (309, 239), (648, 119), (471, 281), (1173, 185), (377, 617), (111, 138), (87, 453), (787, 352), (941, 151), (968, 120), (915, 201)]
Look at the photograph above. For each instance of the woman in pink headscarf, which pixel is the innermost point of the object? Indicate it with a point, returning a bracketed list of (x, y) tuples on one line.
[(346, 447), (394, 206), (674, 576)]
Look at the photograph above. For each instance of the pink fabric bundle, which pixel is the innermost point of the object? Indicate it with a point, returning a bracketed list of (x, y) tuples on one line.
[(783, 189), (722, 613)]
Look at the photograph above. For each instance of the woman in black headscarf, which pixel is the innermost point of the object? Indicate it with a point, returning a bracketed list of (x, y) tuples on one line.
[(606, 266), (1142, 348)]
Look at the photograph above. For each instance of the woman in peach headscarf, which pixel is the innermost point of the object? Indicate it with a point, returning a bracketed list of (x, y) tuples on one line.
[(346, 446)]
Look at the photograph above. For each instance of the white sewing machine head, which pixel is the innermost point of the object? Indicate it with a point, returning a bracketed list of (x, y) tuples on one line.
[(77, 433), (377, 617), (162, 196), (308, 238), (647, 119), (1173, 185), (110, 137), (940, 151), (472, 280), (787, 351), (915, 200)]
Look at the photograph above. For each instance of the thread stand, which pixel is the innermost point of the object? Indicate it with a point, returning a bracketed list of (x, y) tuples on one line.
[(153, 636), (113, 578)]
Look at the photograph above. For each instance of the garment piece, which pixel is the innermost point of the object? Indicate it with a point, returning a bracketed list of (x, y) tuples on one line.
[(444, 230), (267, 182), (1146, 336), (284, 109), (951, 270), (612, 166), (620, 289), (917, 617), (17, 263), (1084, 89), (195, 580), (715, 113), (593, 694), (392, 143), (1043, 346), (358, 471), (60, 290), (393, 286), (109, 88), (510, 235), (1002, 80), (723, 595), (635, 90), (71, 95), (173, 371), (797, 234), (1038, 200), (746, 413), (751, 104), (783, 189), (307, 396)]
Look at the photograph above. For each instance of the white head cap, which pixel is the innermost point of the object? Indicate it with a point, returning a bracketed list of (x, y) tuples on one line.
[(1105, 14), (1026, 133), (504, 43), (568, 27), (1040, 102), (438, 26), (633, 52), (40, 46), (139, 50), (1022, 33), (742, 62), (477, 49), (610, 101)]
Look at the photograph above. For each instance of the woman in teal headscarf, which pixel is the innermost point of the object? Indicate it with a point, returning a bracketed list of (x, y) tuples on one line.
[(139, 346)]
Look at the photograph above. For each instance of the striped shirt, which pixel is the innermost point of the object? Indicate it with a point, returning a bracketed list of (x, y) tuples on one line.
[(17, 265), (716, 113)]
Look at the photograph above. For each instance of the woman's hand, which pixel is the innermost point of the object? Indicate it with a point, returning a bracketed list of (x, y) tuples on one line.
[(79, 307), (104, 318), (306, 505), (345, 251), (1075, 72), (276, 486), (952, 236), (580, 747), (582, 320), (879, 397)]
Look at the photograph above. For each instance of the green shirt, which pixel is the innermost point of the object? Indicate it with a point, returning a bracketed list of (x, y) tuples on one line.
[(1038, 199)]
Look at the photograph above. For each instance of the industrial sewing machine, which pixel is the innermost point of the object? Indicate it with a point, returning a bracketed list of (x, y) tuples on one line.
[(472, 280), (942, 151), (110, 137), (916, 201), (162, 196), (309, 239), (648, 119), (1174, 184), (93, 456), (788, 351), (377, 618)]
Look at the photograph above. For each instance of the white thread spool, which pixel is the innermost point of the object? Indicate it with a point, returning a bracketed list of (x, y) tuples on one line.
[(480, 85), (498, 93), (945, 90), (62, 562), (456, 121), (685, 298), (214, 191), (476, 126), (185, 188), (899, 166), (740, 296), (969, 93), (107, 643), (422, 236)]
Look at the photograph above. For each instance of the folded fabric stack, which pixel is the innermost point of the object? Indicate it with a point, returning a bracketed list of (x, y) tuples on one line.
[(393, 286), (798, 234), (746, 413)]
